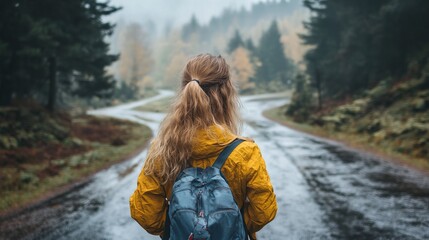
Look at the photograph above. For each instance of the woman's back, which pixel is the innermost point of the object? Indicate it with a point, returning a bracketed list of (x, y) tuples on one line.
[(203, 120)]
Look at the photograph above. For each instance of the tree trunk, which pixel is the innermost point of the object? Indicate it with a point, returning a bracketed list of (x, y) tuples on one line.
[(52, 83)]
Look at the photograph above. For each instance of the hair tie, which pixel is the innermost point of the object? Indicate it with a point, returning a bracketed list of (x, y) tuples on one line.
[(198, 81)]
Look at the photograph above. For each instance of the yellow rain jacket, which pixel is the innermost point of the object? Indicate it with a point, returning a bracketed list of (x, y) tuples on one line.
[(244, 170)]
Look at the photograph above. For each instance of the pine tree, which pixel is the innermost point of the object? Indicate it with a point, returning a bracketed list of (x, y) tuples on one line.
[(249, 45), (358, 43), (354, 47), (235, 42), (44, 46), (190, 29), (22, 66), (274, 65)]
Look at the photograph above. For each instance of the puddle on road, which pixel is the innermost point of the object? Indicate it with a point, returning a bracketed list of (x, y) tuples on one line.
[(396, 185)]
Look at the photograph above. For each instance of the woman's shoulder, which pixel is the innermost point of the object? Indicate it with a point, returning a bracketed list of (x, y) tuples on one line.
[(246, 156), (246, 139), (248, 147)]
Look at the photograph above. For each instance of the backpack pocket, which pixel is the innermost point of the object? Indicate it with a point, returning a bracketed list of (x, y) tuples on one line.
[(224, 224), (182, 223)]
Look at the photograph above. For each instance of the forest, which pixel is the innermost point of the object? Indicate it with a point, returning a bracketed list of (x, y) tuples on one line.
[(61, 57), (367, 74), (43, 50)]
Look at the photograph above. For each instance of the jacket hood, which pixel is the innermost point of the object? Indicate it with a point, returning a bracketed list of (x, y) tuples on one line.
[(209, 142)]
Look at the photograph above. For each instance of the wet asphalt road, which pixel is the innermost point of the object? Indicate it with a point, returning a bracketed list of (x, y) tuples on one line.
[(324, 190)]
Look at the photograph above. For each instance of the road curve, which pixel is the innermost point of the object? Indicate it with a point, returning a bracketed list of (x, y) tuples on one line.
[(324, 189)]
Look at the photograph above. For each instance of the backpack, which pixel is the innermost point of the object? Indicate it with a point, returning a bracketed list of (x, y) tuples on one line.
[(202, 205)]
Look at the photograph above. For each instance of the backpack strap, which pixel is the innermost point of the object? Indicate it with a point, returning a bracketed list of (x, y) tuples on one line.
[(219, 164), (166, 233), (226, 152)]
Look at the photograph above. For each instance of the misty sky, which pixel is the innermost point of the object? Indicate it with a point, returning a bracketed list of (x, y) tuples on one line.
[(174, 12)]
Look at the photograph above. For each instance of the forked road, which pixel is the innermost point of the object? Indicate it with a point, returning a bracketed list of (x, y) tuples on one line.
[(324, 190)]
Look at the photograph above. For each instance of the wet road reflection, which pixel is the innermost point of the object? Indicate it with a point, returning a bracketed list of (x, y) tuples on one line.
[(324, 190)]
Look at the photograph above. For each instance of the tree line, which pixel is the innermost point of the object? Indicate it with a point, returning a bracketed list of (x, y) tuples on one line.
[(357, 44), (248, 18), (260, 43), (48, 45), (270, 66)]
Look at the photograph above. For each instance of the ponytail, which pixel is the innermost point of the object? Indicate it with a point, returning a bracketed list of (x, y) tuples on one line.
[(173, 145), (196, 106)]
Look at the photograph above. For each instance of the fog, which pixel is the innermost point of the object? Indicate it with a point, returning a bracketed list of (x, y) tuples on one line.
[(173, 13), (154, 38)]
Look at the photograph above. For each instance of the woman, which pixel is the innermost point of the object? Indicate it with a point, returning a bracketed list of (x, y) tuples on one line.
[(203, 120)]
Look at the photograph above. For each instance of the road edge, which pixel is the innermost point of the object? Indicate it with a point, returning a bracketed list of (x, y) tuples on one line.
[(60, 191), (367, 149)]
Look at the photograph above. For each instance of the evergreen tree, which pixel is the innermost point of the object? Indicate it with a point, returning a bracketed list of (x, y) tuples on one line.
[(190, 28), (22, 65), (359, 43), (274, 66), (343, 60), (249, 45), (66, 44), (402, 36), (235, 42), (300, 107)]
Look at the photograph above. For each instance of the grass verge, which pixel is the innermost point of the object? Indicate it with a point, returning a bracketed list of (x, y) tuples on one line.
[(356, 141), (162, 105), (31, 174)]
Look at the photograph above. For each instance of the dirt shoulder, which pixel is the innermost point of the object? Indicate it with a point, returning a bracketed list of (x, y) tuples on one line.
[(43, 156), (356, 141)]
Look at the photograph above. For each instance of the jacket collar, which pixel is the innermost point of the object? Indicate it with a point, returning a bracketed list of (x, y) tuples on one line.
[(210, 141)]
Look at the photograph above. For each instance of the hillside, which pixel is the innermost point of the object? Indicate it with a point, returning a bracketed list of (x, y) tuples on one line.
[(366, 79), (391, 121)]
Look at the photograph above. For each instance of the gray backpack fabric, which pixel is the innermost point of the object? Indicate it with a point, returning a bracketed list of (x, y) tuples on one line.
[(202, 205)]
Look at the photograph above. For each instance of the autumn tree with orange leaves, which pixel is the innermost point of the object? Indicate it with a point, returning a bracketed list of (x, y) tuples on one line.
[(242, 69), (135, 61)]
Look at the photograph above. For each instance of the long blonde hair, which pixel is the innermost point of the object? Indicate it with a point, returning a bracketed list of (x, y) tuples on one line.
[(207, 97)]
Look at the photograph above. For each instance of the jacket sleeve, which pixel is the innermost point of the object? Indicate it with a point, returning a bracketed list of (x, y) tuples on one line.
[(148, 204), (261, 206)]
